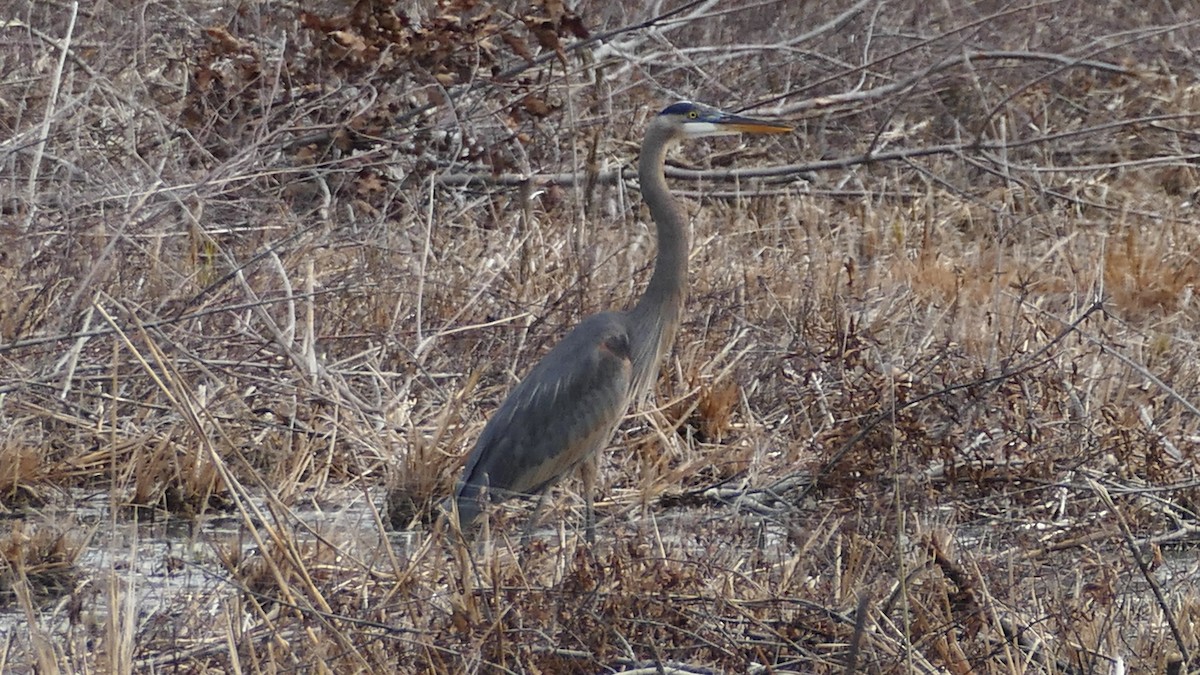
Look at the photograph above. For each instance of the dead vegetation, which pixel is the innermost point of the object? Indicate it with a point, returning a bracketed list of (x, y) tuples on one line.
[(933, 407)]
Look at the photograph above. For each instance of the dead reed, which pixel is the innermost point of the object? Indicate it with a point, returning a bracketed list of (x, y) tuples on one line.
[(933, 407)]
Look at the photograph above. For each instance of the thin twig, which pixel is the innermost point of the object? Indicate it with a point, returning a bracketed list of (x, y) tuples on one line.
[(1167, 612), (64, 47)]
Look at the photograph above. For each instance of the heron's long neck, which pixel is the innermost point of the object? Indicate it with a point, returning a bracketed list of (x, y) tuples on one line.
[(657, 313)]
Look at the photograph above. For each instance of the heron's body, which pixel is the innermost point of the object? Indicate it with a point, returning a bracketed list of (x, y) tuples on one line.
[(568, 406), (577, 393)]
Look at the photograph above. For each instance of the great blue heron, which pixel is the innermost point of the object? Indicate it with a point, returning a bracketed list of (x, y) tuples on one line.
[(570, 403)]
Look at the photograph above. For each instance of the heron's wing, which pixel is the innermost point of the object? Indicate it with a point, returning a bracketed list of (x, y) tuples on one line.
[(563, 410)]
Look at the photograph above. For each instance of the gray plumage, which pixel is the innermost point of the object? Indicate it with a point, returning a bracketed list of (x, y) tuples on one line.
[(568, 406)]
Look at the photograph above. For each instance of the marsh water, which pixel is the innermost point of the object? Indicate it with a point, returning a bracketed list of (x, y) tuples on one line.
[(159, 565), (156, 569)]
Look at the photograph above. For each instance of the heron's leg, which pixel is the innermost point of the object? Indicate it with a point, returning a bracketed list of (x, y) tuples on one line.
[(587, 472), (527, 534)]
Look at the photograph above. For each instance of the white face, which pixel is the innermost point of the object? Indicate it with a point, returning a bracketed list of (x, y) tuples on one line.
[(703, 129)]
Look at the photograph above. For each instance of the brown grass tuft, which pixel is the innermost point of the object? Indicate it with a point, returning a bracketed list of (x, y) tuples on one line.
[(39, 564)]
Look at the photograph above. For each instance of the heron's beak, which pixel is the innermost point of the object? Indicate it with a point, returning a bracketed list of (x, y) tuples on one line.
[(724, 124), (749, 125)]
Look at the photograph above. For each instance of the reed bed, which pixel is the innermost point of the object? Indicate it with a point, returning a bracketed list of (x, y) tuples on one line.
[(933, 407)]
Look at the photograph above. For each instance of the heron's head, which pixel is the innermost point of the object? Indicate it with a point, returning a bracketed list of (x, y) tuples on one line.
[(695, 120)]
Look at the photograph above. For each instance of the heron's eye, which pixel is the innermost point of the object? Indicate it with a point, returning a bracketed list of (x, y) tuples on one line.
[(692, 114)]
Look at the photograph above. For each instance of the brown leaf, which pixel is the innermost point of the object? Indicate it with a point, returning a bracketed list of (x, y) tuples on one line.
[(223, 41), (351, 42), (390, 21), (574, 23), (517, 46), (536, 106), (547, 36), (543, 31), (306, 154), (369, 183), (204, 77), (554, 9), (321, 23)]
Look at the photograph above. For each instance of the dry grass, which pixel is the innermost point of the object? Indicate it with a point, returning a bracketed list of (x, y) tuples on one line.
[(933, 407)]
